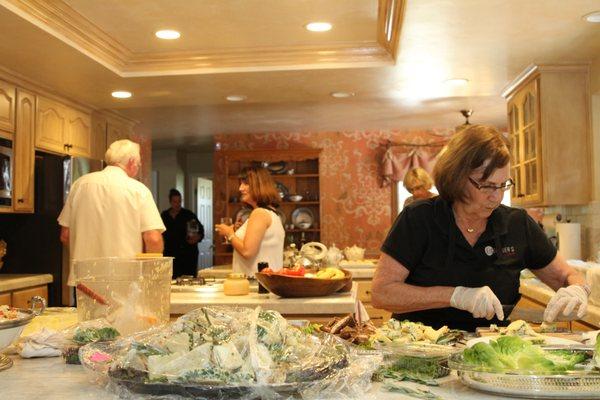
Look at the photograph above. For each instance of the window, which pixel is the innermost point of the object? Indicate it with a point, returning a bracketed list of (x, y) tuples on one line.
[(402, 194)]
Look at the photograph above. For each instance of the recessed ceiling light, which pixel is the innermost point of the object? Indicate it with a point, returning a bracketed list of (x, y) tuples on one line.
[(592, 17), (236, 97), (456, 81), (121, 94), (168, 34), (318, 26), (341, 95)]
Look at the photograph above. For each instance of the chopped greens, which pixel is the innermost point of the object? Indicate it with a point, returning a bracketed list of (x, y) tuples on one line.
[(410, 391), (89, 335), (219, 345)]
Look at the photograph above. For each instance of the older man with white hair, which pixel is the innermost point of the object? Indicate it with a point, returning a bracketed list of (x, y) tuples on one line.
[(110, 214)]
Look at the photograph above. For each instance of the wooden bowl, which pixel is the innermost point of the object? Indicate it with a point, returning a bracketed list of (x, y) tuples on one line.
[(295, 286)]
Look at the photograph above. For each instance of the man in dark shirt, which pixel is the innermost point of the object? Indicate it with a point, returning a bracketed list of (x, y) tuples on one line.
[(183, 233)]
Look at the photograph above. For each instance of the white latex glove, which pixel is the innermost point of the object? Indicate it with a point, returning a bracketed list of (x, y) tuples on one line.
[(481, 302), (571, 300)]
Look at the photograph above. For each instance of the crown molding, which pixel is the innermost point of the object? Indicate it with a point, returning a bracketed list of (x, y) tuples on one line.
[(60, 20), (533, 70)]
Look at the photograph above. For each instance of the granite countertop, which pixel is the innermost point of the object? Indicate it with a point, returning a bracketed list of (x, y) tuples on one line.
[(536, 290), (19, 281), (52, 379), (337, 303)]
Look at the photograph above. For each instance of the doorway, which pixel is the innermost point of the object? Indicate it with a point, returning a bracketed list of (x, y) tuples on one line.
[(204, 201)]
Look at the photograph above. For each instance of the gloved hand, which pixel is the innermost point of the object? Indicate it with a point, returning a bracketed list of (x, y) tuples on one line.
[(571, 300), (481, 302)]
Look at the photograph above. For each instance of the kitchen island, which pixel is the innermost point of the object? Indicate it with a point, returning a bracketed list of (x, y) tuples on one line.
[(52, 379), (312, 308)]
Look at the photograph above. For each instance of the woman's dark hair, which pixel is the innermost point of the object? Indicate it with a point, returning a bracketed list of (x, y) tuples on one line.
[(262, 188), (174, 192), (464, 153)]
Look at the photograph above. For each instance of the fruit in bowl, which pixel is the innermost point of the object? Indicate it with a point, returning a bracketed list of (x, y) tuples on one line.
[(298, 282)]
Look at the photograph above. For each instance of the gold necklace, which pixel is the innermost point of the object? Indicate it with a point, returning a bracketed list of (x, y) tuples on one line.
[(470, 230)]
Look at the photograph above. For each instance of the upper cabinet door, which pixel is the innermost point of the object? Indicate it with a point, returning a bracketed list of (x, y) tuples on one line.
[(24, 152), (7, 107), (115, 132), (51, 126), (79, 128), (98, 136)]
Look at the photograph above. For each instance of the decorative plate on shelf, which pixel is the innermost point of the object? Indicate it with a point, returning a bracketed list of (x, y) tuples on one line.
[(242, 214), (278, 167), (303, 218)]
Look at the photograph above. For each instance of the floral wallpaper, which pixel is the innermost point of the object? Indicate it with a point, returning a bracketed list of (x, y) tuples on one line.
[(356, 209)]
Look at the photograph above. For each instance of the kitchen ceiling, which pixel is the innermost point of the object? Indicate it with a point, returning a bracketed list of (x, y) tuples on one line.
[(260, 49)]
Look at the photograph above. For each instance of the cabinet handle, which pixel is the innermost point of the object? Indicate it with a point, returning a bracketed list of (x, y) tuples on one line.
[(520, 195), (20, 200)]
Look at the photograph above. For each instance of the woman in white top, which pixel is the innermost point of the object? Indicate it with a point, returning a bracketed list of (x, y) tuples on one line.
[(261, 237)]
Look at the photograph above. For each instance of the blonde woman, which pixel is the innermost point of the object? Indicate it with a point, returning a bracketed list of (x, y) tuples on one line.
[(418, 182)]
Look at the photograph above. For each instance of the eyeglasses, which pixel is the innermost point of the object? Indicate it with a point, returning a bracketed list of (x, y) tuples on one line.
[(489, 189)]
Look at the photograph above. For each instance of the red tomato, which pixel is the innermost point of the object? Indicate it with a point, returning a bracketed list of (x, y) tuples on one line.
[(294, 272), (267, 271)]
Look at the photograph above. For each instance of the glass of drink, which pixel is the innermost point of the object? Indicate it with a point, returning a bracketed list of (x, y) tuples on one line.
[(192, 228), (226, 221)]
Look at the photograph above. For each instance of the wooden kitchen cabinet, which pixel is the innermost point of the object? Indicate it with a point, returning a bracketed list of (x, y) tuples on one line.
[(116, 131), (50, 133), (304, 181), (99, 136), (79, 133), (363, 293), (548, 120), (7, 107), (5, 299), (20, 298), (24, 182), (62, 129)]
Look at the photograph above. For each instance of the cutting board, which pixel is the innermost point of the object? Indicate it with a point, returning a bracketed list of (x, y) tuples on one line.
[(563, 334), (534, 317)]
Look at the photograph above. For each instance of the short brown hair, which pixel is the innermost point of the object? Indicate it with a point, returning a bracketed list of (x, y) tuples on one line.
[(261, 186), (415, 178), (464, 153)]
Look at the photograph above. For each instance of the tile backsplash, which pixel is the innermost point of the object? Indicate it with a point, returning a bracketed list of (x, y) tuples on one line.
[(588, 216)]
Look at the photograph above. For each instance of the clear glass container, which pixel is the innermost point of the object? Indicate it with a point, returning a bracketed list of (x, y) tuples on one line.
[(133, 294)]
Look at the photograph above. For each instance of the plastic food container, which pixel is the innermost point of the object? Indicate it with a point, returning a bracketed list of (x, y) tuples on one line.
[(133, 294), (236, 285), (429, 361)]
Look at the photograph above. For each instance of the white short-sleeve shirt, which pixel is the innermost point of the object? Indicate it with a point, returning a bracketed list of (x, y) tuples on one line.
[(106, 213)]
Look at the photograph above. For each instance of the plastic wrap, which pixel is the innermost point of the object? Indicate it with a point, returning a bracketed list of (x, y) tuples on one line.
[(227, 353), (98, 330)]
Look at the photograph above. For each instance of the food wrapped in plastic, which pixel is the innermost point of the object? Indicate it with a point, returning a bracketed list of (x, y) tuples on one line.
[(225, 353), (414, 351), (98, 330)]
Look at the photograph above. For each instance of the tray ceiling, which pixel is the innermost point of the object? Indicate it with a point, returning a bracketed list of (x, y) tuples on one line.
[(221, 36)]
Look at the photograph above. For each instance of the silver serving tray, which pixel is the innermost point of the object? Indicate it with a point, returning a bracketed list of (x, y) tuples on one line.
[(572, 385), (25, 316)]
